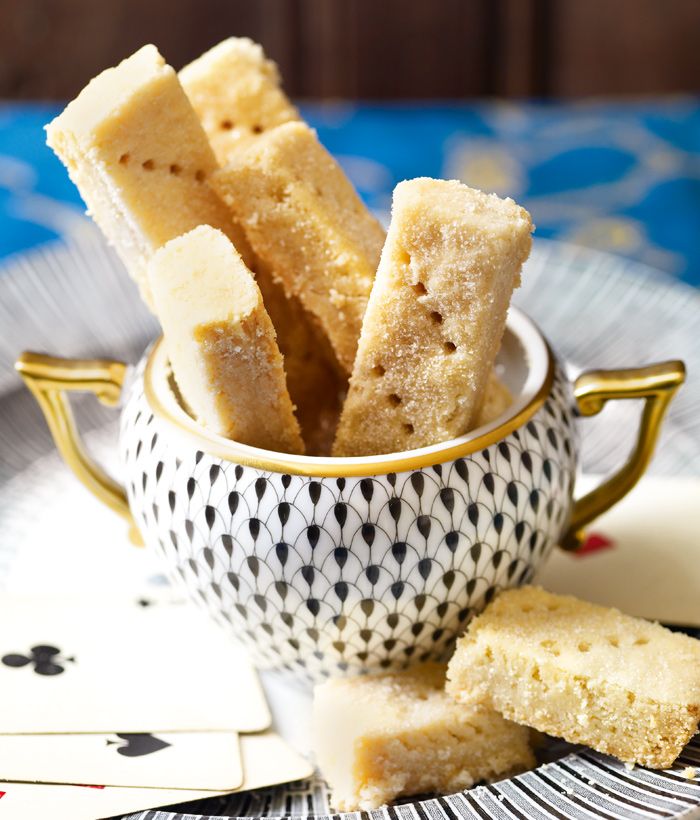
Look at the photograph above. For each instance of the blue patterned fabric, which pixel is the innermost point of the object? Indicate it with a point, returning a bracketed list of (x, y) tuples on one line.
[(623, 177)]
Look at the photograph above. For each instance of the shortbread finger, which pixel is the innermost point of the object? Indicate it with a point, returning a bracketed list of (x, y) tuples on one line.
[(435, 317), (583, 672), (307, 223), (137, 153), (235, 90), (378, 737), (221, 342), (497, 399)]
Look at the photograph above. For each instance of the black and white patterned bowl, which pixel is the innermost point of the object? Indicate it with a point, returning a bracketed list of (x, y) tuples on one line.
[(331, 566), (347, 565)]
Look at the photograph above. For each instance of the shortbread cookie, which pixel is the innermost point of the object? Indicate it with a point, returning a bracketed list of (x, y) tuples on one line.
[(221, 342), (381, 737), (435, 317), (137, 153), (236, 93), (497, 399), (307, 223), (589, 674)]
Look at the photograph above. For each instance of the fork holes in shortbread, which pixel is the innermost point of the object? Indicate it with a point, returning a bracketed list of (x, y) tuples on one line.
[(420, 289), (199, 175), (148, 165), (226, 125), (123, 159), (409, 429), (436, 317), (394, 399), (641, 641), (613, 641), (584, 646), (257, 129), (175, 169), (378, 370), (450, 347)]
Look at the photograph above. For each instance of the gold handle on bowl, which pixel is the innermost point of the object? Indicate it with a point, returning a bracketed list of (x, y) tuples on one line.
[(49, 378), (657, 384)]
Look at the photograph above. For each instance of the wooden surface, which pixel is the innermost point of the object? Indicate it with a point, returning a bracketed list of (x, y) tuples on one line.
[(371, 49)]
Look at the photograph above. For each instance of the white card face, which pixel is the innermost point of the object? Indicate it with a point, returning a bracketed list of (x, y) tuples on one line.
[(178, 760), (645, 558), (93, 667), (267, 760)]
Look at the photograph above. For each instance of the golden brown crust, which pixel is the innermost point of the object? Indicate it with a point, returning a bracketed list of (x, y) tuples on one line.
[(306, 222), (435, 317)]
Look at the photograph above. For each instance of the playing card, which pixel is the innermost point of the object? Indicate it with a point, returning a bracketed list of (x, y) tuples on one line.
[(106, 667), (642, 556), (267, 761), (178, 760)]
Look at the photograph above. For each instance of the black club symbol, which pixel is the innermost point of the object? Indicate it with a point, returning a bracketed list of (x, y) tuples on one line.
[(46, 660)]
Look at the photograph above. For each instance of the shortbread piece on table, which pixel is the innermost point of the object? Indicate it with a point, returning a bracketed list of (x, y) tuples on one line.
[(306, 222), (137, 153), (235, 90), (385, 736), (588, 674), (221, 342), (435, 318), (236, 93)]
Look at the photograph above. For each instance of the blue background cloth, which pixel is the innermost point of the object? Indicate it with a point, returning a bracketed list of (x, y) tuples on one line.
[(620, 176)]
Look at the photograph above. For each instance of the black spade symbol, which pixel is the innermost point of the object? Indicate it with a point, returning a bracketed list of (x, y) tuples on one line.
[(233, 499), (313, 606), (238, 472), (512, 491), (489, 482), (260, 487), (341, 556), (138, 745), (391, 478), (532, 430), (286, 480), (452, 540), (171, 500), (159, 470), (367, 489), (340, 484), (210, 515), (208, 557), (198, 456), (227, 541), (173, 538), (214, 471), (372, 573), (368, 534), (341, 590), (526, 459), (189, 528), (473, 513), (190, 487), (547, 469), (254, 527), (425, 565), (398, 550), (308, 574), (504, 450), (253, 565), (437, 469)]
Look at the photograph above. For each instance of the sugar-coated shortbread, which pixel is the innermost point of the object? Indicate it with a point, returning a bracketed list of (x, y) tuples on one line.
[(435, 317), (497, 399), (586, 673), (385, 736), (235, 90), (236, 93), (306, 222), (137, 153), (221, 342)]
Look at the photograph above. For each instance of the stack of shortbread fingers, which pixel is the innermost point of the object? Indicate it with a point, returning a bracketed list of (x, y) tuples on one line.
[(532, 659), (273, 283)]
